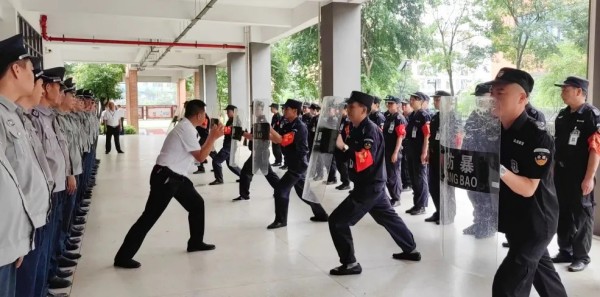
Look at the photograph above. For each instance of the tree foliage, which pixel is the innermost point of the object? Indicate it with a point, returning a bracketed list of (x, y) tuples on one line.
[(101, 79), (222, 89)]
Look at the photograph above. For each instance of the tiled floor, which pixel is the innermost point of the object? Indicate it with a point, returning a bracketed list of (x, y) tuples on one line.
[(252, 261)]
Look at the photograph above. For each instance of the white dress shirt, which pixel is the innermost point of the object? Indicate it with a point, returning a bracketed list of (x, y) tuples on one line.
[(176, 150)]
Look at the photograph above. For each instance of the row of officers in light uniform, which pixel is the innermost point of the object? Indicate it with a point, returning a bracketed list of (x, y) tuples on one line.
[(546, 182), (48, 134)]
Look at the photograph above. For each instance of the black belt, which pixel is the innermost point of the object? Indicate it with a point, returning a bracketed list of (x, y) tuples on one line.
[(167, 170)]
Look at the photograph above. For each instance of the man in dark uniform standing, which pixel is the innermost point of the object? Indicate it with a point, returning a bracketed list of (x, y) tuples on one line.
[(537, 115), (203, 134), (433, 156), (528, 209), (394, 131), (294, 146), (377, 116), (417, 146), (275, 123), (223, 154), (341, 160), (365, 150), (246, 174), (577, 140), (404, 173), (306, 114)]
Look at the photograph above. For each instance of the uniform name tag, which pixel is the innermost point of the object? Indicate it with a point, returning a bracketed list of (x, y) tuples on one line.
[(574, 137), (414, 132), (437, 136), (391, 129)]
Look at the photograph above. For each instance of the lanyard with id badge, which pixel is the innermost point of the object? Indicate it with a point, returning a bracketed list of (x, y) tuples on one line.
[(574, 136)]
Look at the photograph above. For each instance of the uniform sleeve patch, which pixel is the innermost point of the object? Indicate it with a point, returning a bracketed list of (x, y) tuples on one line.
[(368, 143), (35, 113), (541, 156)]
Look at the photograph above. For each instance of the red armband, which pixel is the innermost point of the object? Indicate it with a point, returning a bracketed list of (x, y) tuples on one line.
[(425, 129), (287, 139), (227, 130), (364, 159), (401, 130), (594, 142)]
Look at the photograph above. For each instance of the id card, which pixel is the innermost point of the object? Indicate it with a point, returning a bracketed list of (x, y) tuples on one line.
[(437, 136), (574, 137), (414, 132)]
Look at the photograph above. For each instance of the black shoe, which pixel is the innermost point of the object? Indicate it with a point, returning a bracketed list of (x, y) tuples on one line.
[(410, 209), (216, 182), (276, 164), (241, 198), (276, 225), (412, 256), (71, 247), (106, 153), (319, 219), (395, 203), (212, 170), (80, 220), (66, 263), (81, 213), (64, 273), (418, 211), (200, 248), (199, 171), (577, 266), (76, 234), (562, 257), (71, 256), (344, 270), (77, 228), (121, 152), (58, 283), (505, 244), (237, 181), (127, 264), (332, 182), (434, 218), (343, 187), (85, 204), (284, 167), (471, 230), (74, 240)]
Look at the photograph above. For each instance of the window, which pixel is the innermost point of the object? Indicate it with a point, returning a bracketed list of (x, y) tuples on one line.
[(32, 39)]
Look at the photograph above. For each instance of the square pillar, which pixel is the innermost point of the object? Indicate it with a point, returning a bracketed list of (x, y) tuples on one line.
[(131, 85), (594, 78), (237, 81), (260, 71), (198, 85), (181, 94), (210, 91), (340, 49)]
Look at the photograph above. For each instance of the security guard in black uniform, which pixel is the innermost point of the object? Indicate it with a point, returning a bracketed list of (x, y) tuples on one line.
[(315, 110), (404, 172), (246, 174), (577, 140), (376, 116), (203, 134), (417, 146), (433, 156), (528, 209), (365, 150), (275, 123), (341, 160), (306, 114), (394, 132), (294, 146), (223, 154)]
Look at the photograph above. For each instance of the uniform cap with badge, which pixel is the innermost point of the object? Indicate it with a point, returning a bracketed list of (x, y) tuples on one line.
[(54, 75), (508, 75), (420, 96), (69, 85), (441, 93), (315, 106), (231, 107), (392, 99), (362, 98), (482, 89), (87, 94), (576, 82), (294, 104), (13, 49)]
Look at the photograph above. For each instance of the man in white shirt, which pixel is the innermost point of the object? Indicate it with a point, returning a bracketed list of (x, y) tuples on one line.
[(111, 118), (168, 179)]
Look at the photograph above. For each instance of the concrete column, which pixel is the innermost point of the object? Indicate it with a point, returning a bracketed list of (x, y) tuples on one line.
[(260, 71), (198, 85), (594, 78), (210, 88), (340, 49), (131, 84), (237, 83), (181, 93)]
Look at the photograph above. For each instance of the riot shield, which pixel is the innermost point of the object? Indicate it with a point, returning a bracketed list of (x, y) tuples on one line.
[(261, 129), (237, 133), (469, 185), (323, 148)]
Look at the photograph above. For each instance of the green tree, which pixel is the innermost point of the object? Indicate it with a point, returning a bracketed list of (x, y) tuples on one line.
[(304, 63), (280, 74), (391, 32), (567, 61), (457, 25), (222, 88), (102, 79)]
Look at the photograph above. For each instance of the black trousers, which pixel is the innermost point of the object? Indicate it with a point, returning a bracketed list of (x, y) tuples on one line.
[(404, 172), (164, 185), (576, 216), (293, 179), (110, 133), (277, 152), (341, 163), (394, 183), (350, 211), (246, 178), (418, 176), (218, 159), (527, 263)]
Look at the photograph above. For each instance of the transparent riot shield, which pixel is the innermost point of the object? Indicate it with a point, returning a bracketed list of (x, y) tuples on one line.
[(261, 128), (469, 185), (237, 133), (321, 156)]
